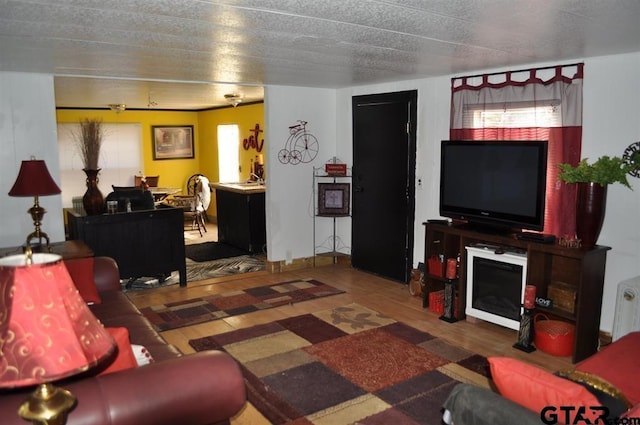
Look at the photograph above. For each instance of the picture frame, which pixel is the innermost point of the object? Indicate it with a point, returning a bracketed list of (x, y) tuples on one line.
[(172, 142), (333, 199)]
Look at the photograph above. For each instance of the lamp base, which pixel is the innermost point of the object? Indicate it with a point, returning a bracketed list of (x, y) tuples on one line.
[(35, 242), (47, 405), (36, 247), (37, 213)]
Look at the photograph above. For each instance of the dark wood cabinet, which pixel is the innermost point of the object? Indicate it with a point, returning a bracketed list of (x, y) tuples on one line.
[(581, 271), (241, 219), (143, 243)]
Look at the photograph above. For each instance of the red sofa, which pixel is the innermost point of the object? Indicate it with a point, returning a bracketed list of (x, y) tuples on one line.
[(609, 379), (196, 389)]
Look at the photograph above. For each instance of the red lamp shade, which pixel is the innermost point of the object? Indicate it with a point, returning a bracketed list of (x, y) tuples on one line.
[(47, 331), (34, 180)]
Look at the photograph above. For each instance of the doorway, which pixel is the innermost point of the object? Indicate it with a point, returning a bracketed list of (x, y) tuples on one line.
[(384, 156)]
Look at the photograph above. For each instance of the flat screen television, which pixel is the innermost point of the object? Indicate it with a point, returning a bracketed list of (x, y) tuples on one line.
[(496, 184)]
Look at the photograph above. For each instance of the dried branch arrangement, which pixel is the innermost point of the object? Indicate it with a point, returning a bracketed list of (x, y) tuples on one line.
[(89, 139)]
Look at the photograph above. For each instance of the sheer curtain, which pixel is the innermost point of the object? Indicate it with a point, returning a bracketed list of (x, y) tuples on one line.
[(535, 104)]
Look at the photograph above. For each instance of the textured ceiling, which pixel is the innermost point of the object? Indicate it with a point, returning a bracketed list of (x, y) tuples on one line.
[(186, 54)]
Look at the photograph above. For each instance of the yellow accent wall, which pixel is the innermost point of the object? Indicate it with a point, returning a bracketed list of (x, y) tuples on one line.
[(246, 117), (175, 172)]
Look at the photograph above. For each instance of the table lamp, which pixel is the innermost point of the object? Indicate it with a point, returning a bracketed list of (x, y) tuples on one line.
[(34, 180), (47, 333)]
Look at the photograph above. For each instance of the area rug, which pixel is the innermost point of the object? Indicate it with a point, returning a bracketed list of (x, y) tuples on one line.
[(198, 310), (208, 251), (223, 267), (199, 271), (347, 365)]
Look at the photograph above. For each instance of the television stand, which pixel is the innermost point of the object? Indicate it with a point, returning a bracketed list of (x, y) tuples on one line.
[(536, 237), (577, 271)]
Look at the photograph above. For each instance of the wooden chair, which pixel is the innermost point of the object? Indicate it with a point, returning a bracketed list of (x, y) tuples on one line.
[(192, 206), (199, 183), (192, 184)]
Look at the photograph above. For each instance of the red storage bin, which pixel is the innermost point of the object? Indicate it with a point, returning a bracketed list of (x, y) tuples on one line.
[(553, 336), (436, 303)]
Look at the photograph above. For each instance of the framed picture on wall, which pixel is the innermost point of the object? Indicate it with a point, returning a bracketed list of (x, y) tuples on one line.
[(172, 141), (333, 199)]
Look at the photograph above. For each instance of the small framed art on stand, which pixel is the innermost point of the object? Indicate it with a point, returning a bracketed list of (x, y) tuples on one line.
[(333, 199)]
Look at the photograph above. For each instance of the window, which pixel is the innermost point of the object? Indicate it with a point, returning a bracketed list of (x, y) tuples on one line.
[(228, 153), (514, 116), (120, 159)]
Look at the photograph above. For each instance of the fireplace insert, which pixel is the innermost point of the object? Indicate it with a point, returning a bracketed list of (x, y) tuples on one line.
[(495, 285)]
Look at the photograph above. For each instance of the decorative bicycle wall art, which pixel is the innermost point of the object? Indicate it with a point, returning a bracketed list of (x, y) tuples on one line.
[(301, 146)]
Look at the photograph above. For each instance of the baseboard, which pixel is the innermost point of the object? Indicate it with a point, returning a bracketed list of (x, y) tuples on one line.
[(306, 262), (604, 339)]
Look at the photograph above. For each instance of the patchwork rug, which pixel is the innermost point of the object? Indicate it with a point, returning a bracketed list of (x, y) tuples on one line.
[(347, 365), (198, 310)]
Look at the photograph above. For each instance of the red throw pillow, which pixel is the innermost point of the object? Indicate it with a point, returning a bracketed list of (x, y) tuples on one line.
[(125, 359), (543, 392), (81, 272)]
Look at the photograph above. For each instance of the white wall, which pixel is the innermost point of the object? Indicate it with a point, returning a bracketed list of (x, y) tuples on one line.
[(27, 128), (611, 122), (289, 194)]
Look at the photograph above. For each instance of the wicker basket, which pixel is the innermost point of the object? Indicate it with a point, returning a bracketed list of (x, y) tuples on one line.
[(553, 336)]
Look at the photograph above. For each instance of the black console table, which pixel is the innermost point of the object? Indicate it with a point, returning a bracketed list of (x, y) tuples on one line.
[(578, 269), (143, 243)]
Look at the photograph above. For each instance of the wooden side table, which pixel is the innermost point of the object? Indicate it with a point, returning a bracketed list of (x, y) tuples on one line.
[(66, 249)]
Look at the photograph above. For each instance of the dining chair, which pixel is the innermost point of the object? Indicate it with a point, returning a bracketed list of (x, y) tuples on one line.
[(193, 207)]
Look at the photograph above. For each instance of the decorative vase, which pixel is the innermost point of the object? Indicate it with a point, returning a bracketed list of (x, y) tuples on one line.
[(93, 201), (591, 202)]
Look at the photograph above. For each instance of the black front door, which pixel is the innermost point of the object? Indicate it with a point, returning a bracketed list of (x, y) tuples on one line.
[(384, 147)]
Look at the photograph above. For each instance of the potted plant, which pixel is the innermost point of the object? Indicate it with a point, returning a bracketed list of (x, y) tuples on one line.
[(604, 171), (89, 140), (592, 181)]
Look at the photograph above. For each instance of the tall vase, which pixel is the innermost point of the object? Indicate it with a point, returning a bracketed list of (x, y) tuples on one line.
[(93, 201), (590, 208)]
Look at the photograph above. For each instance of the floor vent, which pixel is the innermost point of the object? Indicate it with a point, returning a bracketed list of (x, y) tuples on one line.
[(627, 316)]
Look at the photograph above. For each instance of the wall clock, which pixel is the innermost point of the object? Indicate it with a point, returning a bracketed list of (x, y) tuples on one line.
[(631, 156)]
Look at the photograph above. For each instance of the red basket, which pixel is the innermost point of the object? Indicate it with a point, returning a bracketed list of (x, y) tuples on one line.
[(436, 303), (436, 267), (553, 336)]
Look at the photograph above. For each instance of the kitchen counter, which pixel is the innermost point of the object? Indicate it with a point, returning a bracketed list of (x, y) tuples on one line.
[(240, 187), (241, 215)]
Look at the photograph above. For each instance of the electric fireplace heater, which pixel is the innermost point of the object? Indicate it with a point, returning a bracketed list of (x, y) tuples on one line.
[(495, 285)]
